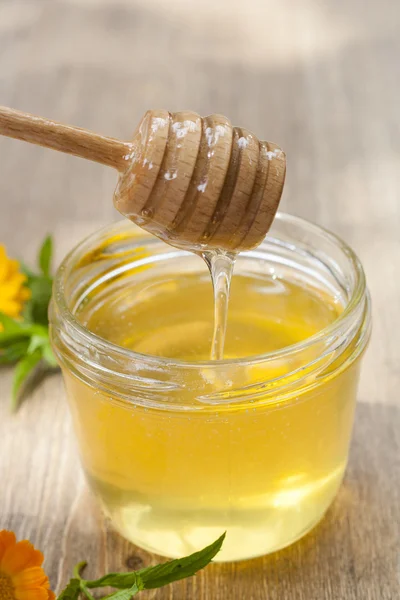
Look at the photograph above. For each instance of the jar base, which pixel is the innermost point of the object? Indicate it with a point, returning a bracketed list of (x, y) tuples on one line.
[(240, 544)]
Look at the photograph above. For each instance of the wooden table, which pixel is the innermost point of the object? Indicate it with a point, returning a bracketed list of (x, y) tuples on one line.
[(320, 78)]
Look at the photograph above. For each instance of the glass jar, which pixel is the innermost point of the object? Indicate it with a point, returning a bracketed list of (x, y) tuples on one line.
[(179, 451)]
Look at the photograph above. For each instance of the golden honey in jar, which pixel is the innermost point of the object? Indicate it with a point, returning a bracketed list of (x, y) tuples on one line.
[(179, 448)]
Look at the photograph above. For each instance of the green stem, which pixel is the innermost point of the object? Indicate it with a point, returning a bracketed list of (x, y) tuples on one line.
[(77, 574), (77, 570), (86, 592)]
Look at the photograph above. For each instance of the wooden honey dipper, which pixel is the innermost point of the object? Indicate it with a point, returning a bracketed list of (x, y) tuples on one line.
[(194, 182)]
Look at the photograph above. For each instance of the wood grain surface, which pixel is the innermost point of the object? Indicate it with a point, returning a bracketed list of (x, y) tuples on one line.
[(321, 78)]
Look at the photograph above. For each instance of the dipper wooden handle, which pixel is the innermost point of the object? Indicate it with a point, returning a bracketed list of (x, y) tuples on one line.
[(72, 140), (195, 182)]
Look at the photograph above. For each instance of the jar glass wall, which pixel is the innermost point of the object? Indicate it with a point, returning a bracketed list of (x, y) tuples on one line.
[(178, 448)]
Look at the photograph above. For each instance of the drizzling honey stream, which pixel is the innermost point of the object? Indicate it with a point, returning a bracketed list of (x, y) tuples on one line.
[(203, 185)]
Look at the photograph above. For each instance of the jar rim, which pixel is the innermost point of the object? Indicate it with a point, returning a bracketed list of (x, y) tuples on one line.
[(341, 322)]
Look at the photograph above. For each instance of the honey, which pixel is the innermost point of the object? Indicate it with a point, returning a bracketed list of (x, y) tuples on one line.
[(172, 316), (179, 448)]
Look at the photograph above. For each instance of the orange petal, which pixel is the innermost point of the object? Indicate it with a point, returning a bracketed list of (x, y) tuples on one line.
[(35, 594), (3, 263), (9, 307), (12, 267), (11, 287), (51, 594), (17, 278), (7, 538), (36, 557), (30, 578), (20, 556), (24, 294), (3, 271)]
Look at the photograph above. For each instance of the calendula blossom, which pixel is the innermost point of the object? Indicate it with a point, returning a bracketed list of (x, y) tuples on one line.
[(13, 292), (21, 573)]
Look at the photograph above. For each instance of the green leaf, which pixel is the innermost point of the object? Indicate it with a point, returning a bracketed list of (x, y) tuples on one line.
[(12, 331), (45, 255), (154, 577), (25, 330), (8, 339), (163, 574), (48, 356), (71, 591), (27, 312), (127, 594), (13, 352), (10, 325), (37, 341), (23, 369), (36, 308), (26, 270)]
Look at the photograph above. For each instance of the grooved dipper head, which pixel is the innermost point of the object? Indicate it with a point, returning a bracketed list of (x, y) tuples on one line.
[(199, 182)]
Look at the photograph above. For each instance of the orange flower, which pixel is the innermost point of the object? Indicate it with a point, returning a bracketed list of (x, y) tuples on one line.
[(21, 574), (13, 293)]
